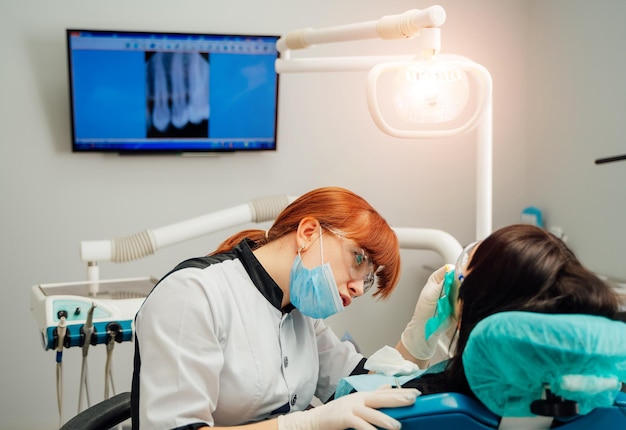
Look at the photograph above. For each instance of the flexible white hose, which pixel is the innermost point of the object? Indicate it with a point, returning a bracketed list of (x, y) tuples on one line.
[(60, 392), (87, 330), (147, 242), (83, 385), (268, 208), (108, 368), (132, 247)]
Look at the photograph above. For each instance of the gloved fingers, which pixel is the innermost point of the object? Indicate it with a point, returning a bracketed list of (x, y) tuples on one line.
[(365, 418), (432, 289), (437, 275), (384, 387), (390, 397)]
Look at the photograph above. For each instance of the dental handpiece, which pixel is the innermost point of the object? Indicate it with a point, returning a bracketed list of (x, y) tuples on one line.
[(88, 329)]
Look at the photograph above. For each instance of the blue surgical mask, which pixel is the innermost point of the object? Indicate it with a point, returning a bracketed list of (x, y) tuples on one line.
[(314, 291)]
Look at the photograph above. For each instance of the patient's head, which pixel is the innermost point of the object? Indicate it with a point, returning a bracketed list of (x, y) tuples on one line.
[(525, 268)]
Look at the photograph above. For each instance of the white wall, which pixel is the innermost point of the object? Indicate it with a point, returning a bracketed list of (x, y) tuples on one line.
[(52, 199), (578, 105)]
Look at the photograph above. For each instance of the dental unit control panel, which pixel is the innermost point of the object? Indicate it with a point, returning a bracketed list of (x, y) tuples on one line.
[(110, 312), (82, 314)]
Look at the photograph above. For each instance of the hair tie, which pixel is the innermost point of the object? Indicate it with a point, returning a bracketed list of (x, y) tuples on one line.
[(267, 234)]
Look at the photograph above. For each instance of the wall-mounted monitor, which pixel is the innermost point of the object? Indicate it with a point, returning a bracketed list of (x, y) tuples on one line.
[(154, 92)]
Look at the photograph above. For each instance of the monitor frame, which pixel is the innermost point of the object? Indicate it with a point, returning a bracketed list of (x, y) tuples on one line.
[(240, 67)]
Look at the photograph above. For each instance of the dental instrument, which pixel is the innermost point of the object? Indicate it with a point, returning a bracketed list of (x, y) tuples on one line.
[(60, 339), (113, 333), (87, 331), (397, 381)]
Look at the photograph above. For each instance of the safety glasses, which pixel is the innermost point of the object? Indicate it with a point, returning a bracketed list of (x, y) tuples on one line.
[(359, 263), (462, 261)]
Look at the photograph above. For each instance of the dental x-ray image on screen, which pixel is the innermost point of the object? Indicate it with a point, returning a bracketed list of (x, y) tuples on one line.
[(177, 94), (141, 92)]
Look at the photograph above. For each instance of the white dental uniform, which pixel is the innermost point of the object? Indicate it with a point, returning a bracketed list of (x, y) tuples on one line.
[(214, 348)]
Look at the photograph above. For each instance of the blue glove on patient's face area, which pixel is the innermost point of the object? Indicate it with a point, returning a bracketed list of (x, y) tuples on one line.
[(444, 311), (414, 336)]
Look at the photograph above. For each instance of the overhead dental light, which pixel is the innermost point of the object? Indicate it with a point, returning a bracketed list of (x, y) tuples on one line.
[(428, 87)]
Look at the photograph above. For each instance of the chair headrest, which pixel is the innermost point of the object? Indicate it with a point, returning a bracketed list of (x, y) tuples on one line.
[(510, 357)]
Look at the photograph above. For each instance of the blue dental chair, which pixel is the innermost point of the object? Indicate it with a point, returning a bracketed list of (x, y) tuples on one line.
[(530, 371), (534, 371)]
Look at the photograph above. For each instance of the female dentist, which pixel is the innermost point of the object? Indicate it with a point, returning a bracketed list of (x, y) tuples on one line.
[(237, 338)]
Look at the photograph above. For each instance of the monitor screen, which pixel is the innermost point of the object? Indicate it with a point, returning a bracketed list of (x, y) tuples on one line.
[(148, 92)]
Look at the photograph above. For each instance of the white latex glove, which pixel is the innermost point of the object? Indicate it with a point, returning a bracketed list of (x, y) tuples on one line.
[(414, 336), (355, 411)]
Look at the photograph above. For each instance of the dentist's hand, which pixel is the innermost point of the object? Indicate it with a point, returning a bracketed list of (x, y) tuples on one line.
[(356, 411), (413, 337)]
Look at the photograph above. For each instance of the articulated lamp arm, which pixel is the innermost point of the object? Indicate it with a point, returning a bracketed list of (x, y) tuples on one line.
[(417, 70), (402, 26)]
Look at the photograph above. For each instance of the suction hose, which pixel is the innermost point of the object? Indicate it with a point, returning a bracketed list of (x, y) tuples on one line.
[(148, 242)]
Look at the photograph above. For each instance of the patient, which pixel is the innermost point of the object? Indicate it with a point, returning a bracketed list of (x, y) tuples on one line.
[(517, 268)]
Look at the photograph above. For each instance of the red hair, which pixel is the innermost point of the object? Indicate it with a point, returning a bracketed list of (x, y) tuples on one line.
[(339, 209)]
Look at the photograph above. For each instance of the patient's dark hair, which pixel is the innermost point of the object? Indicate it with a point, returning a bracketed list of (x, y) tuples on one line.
[(524, 268)]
